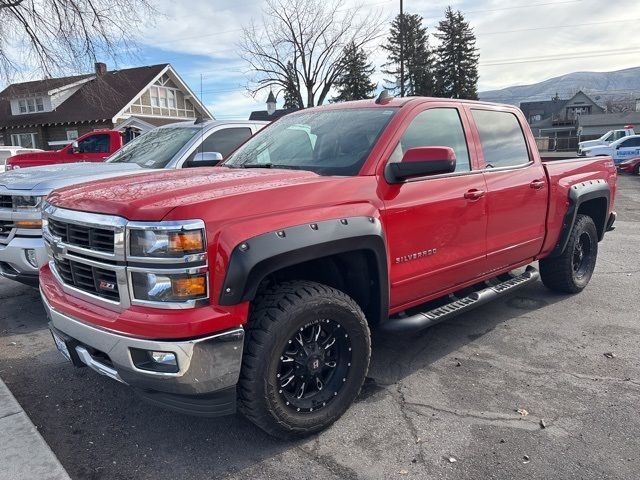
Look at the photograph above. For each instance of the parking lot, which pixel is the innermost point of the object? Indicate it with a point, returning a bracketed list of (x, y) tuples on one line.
[(441, 404)]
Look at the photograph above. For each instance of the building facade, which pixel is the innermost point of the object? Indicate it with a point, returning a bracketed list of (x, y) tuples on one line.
[(51, 113)]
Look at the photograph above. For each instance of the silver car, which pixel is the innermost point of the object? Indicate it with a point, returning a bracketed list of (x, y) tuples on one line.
[(178, 145)]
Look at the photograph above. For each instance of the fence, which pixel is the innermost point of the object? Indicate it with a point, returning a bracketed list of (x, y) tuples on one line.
[(559, 144)]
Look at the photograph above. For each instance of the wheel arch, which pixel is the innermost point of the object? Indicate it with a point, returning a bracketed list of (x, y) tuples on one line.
[(590, 198), (348, 254)]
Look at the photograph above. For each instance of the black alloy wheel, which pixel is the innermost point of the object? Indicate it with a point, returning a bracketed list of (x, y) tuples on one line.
[(314, 366)]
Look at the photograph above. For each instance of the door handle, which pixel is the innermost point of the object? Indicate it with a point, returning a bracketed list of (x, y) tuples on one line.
[(474, 194), (537, 184)]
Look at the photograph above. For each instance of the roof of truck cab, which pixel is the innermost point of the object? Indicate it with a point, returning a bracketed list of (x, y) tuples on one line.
[(213, 123), (398, 102)]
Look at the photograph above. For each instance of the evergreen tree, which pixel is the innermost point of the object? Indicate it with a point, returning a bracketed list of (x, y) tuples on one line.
[(418, 59), (457, 58), (292, 98), (354, 83)]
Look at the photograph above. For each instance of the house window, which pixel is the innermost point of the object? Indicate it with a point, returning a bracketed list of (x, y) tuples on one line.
[(72, 134), (163, 97), (535, 118), (26, 140), (31, 105)]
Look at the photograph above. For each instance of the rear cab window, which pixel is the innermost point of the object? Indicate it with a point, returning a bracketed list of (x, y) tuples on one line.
[(502, 139)]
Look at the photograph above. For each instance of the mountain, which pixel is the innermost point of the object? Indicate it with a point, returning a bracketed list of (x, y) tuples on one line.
[(600, 86)]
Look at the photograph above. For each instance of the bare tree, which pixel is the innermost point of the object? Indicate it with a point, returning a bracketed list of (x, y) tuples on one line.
[(52, 37), (299, 45), (620, 105)]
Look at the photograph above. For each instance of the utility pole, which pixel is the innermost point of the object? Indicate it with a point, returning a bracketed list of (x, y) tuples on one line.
[(401, 51)]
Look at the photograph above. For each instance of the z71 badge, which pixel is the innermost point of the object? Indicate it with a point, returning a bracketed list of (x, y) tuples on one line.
[(415, 256)]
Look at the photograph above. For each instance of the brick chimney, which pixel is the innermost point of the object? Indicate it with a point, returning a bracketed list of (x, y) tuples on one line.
[(101, 68)]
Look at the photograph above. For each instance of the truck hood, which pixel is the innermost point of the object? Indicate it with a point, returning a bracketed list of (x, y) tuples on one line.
[(151, 196), (591, 143), (31, 156), (42, 180)]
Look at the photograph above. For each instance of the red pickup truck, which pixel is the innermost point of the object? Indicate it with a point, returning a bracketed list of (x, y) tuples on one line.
[(92, 147), (257, 283)]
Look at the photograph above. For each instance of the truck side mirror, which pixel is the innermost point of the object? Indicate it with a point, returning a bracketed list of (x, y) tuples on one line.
[(75, 148), (204, 159), (421, 161)]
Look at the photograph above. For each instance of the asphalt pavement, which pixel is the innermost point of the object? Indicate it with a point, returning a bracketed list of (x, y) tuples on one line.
[(535, 385)]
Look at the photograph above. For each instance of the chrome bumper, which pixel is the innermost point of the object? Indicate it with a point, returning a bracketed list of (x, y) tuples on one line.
[(13, 259), (205, 365)]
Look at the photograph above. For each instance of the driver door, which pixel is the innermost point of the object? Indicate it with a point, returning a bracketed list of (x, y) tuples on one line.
[(435, 225)]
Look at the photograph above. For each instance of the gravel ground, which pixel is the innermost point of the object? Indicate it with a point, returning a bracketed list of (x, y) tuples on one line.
[(442, 404)]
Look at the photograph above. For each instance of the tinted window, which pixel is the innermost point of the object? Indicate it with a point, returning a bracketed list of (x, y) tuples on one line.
[(156, 148), (94, 144), (437, 127), (325, 141), (631, 142), (223, 141), (502, 140)]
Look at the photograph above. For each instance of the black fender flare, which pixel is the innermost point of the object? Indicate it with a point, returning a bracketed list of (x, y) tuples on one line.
[(252, 260), (579, 194)]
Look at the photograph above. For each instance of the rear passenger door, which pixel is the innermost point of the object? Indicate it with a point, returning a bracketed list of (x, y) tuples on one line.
[(517, 189)]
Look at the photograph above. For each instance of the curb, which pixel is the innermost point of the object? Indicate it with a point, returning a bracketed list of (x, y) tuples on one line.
[(23, 452)]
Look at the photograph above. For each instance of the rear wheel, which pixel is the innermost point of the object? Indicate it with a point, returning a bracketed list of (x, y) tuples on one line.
[(571, 271), (636, 170), (307, 352)]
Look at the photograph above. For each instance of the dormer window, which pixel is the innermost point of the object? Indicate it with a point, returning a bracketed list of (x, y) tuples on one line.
[(31, 105)]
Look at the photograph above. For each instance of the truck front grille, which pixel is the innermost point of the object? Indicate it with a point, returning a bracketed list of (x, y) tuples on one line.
[(93, 238), (93, 280), (6, 201), (6, 227)]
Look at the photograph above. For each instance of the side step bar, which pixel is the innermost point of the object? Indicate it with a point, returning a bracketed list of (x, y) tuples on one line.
[(429, 318)]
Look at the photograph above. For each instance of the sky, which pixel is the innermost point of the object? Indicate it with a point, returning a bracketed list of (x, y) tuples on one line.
[(520, 42)]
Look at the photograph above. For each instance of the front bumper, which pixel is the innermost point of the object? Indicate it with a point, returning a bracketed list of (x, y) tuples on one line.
[(13, 259), (208, 367)]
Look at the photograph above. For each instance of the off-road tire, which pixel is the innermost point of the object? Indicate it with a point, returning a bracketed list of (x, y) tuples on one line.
[(276, 315), (562, 273)]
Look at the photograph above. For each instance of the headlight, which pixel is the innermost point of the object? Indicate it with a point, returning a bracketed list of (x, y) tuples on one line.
[(21, 202), (169, 287), (166, 243)]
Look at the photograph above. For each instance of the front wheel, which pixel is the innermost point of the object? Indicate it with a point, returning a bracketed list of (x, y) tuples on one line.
[(636, 170), (307, 352), (571, 271)]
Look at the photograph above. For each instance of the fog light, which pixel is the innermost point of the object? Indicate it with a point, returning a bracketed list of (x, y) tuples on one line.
[(165, 358), (154, 361), (31, 256)]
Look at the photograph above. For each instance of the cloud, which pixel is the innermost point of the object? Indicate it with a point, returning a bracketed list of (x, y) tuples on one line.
[(202, 37)]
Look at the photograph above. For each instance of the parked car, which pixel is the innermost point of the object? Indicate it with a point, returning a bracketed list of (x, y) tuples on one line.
[(178, 145), (95, 146), (630, 166), (620, 150), (7, 151), (256, 283), (607, 138)]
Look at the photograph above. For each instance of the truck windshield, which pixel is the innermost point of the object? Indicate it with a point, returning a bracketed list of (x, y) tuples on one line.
[(327, 142), (156, 148)]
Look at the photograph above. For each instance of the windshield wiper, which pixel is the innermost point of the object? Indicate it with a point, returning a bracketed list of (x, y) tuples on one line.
[(268, 165)]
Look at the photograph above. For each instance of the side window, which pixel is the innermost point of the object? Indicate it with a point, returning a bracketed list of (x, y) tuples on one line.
[(437, 127), (223, 141), (502, 139), (631, 142), (94, 144), (618, 135)]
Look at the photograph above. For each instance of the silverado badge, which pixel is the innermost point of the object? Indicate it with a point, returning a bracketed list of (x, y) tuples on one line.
[(415, 256)]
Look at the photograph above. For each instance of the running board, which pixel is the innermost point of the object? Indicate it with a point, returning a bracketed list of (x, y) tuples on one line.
[(429, 318)]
